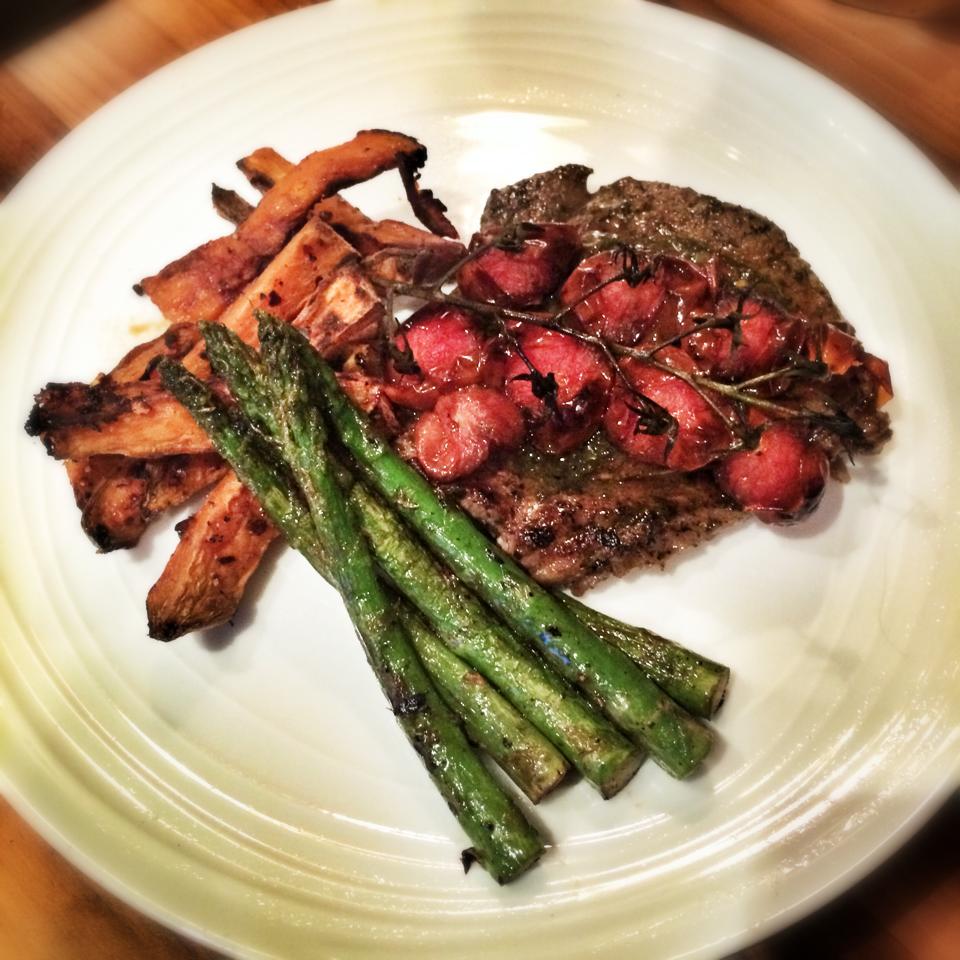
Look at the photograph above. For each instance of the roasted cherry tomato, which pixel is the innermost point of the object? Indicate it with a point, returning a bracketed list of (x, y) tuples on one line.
[(618, 312), (701, 434), (573, 380), (449, 350), (526, 274), (463, 429), (782, 480)]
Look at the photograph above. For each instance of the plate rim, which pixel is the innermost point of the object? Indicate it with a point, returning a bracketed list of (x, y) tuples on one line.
[(918, 816)]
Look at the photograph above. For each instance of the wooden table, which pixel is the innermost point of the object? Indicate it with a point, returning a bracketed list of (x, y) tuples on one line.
[(909, 70)]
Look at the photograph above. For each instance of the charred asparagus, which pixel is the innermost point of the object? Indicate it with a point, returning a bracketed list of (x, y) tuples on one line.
[(504, 841), (633, 701)]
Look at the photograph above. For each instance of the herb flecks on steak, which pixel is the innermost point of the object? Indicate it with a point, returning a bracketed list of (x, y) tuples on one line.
[(575, 520)]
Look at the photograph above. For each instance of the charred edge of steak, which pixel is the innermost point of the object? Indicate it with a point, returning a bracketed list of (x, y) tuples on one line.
[(549, 197)]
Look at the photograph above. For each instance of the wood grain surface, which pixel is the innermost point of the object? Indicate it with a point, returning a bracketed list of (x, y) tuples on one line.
[(907, 69)]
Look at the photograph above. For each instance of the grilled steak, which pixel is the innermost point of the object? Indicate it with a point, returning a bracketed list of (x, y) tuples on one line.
[(574, 519)]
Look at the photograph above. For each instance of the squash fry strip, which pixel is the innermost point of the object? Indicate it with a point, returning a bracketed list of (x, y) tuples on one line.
[(119, 496), (220, 547), (427, 208), (394, 251), (136, 419), (230, 205), (314, 254), (201, 285), (264, 167), (140, 363), (194, 590), (139, 418)]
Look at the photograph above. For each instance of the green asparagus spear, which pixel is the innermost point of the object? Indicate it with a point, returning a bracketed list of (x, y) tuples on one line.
[(254, 461), (513, 742), (633, 701), (237, 363), (586, 738), (504, 841), (490, 721), (692, 681)]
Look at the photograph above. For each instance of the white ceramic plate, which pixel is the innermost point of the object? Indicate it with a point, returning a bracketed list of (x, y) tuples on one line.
[(249, 786)]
